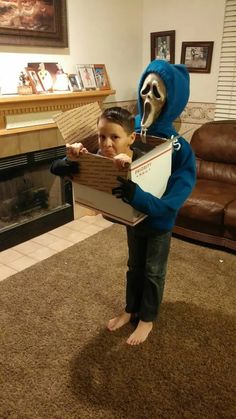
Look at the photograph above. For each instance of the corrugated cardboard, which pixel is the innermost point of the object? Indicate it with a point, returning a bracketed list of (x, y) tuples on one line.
[(98, 175)]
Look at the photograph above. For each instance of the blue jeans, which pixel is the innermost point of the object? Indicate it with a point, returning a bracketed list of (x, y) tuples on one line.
[(147, 263)]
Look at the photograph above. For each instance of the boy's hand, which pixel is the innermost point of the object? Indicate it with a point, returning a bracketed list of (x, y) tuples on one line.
[(73, 151), (125, 191), (121, 160)]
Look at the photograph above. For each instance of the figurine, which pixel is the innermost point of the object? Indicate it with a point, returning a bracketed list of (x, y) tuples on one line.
[(22, 78), (24, 87)]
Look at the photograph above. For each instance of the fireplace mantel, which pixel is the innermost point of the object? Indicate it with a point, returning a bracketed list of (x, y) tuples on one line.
[(28, 138), (22, 104)]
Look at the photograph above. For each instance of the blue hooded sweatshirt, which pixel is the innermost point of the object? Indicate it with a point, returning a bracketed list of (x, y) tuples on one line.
[(162, 211)]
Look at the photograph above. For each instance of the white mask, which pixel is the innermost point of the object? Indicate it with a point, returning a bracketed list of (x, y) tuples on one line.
[(153, 93)]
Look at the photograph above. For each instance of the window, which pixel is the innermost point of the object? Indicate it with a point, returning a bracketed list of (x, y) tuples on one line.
[(226, 87)]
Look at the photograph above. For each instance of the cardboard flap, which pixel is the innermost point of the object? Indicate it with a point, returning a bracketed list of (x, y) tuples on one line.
[(79, 124), (99, 172)]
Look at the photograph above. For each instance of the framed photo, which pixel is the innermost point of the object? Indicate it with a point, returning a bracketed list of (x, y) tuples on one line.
[(34, 80), (87, 75), (101, 76), (51, 75), (75, 82), (163, 46), (34, 22), (197, 56)]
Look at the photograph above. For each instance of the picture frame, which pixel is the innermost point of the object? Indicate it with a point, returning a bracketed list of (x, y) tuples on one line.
[(33, 25), (197, 56), (163, 46), (101, 77), (86, 72), (51, 75), (75, 82), (34, 80)]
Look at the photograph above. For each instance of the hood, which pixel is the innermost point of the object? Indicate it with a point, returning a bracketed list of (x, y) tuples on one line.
[(176, 79)]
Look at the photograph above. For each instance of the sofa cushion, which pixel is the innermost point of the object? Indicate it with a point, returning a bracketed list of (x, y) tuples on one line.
[(215, 141), (204, 209), (221, 172)]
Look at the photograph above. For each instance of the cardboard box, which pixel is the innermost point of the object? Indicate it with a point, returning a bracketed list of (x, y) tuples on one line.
[(98, 175)]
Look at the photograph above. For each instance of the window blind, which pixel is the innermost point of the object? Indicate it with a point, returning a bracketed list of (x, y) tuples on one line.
[(226, 86)]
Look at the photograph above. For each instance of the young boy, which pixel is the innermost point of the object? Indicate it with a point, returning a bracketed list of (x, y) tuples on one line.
[(116, 135)]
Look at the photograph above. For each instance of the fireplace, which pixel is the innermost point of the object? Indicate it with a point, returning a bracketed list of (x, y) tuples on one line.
[(32, 200)]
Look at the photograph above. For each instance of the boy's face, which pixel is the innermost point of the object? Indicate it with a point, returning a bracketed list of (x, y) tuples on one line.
[(113, 139)]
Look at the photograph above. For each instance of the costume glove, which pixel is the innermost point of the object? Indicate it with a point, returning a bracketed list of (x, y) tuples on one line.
[(64, 167), (125, 191)]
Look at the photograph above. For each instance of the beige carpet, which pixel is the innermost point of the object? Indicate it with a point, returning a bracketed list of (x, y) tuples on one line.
[(59, 361)]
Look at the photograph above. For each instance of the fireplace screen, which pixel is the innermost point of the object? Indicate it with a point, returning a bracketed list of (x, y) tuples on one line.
[(32, 200), (30, 195)]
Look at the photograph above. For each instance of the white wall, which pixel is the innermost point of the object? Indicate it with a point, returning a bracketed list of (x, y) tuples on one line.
[(117, 33), (100, 31), (195, 20)]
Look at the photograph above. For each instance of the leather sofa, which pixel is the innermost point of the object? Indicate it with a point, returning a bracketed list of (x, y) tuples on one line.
[(209, 214)]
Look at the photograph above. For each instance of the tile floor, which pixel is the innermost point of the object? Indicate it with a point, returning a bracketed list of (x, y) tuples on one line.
[(26, 254)]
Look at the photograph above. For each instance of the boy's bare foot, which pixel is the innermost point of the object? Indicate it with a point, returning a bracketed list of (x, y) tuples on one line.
[(140, 334), (118, 321)]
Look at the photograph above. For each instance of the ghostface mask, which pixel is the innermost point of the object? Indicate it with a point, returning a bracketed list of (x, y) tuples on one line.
[(153, 93)]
